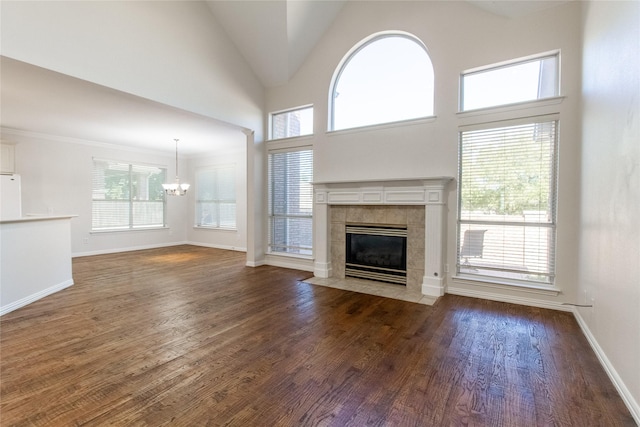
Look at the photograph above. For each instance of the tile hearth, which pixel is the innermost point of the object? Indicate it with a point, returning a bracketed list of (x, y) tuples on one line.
[(371, 287)]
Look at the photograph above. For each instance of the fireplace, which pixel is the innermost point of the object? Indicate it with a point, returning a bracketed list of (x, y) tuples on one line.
[(376, 252), (418, 204)]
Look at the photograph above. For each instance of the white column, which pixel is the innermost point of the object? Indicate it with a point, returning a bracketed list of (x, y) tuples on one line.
[(322, 234), (434, 228), (255, 195)]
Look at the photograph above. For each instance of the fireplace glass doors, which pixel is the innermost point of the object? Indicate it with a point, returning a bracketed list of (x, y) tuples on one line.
[(377, 253)]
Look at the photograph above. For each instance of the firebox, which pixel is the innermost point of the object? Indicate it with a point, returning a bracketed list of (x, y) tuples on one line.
[(377, 252)]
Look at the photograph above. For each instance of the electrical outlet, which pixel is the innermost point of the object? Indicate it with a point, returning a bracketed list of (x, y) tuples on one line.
[(85, 241), (446, 268)]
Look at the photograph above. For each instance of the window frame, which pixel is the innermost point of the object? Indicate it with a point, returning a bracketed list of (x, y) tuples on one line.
[(342, 65), (217, 201), (273, 114), (506, 64), (131, 200)]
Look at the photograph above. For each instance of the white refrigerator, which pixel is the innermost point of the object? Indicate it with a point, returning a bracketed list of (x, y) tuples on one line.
[(10, 198)]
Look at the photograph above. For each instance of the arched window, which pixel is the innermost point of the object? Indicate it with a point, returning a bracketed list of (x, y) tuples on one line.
[(387, 77)]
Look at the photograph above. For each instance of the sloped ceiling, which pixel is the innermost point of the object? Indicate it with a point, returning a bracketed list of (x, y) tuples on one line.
[(42, 101), (275, 36), (513, 8)]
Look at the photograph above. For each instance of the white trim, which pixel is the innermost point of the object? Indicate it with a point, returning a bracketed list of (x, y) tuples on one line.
[(34, 297), (255, 263), (509, 62), (625, 394), (289, 146), (533, 302), (505, 284), (506, 122), (295, 263), (386, 125), (128, 230), (217, 246), (127, 249), (70, 140)]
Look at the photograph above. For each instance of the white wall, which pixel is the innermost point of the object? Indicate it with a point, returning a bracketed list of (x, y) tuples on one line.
[(458, 36), (610, 187)]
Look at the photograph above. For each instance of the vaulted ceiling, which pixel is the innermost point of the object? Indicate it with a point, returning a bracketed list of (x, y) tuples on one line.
[(276, 36)]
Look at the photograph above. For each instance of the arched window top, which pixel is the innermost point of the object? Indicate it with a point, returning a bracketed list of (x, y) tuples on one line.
[(387, 77)]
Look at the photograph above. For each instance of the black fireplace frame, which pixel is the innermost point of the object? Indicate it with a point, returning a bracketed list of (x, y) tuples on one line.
[(376, 252)]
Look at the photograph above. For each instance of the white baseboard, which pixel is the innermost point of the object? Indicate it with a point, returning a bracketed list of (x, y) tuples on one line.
[(625, 394), (216, 246), (127, 249), (256, 263), (294, 263), (35, 297)]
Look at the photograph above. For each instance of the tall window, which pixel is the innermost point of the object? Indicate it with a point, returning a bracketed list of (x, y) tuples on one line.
[(216, 197), (290, 123), (127, 196), (507, 202), (387, 78), (513, 82), (291, 202)]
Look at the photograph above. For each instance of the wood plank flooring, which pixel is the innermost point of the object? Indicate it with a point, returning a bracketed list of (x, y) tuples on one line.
[(189, 336)]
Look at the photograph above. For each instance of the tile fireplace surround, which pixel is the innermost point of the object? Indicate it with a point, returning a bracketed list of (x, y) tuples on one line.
[(420, 204)]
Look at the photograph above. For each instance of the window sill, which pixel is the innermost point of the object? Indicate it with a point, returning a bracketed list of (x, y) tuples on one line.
[(511, 107), (291, 142), (288, 255), (201, 227), (409, 122), (127, 230), (507, 285)]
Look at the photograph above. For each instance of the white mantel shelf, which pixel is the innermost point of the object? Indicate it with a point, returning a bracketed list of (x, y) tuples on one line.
[(390, 181), (429, 192)]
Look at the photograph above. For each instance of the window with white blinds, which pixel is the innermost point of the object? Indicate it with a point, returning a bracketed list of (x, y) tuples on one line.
[(507, 202), (127, 196), (291, 202), (216, 197)]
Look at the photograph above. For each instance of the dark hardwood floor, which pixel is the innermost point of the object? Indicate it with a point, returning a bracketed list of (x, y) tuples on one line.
[(190, 336)]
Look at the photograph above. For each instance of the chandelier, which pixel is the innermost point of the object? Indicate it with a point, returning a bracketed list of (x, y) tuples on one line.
[(175, 188)]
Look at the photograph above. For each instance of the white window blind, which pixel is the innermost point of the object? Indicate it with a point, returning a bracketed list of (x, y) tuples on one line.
[(216, 197), (127, 196), (291, 202), (507, 206)]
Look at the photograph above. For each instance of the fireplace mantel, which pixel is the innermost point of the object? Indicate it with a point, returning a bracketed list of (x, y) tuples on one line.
[(430, 192), (417, 191)]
